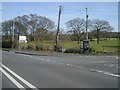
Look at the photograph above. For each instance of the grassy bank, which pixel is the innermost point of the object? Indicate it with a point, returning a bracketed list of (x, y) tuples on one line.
[(104, 46), (107, 45)]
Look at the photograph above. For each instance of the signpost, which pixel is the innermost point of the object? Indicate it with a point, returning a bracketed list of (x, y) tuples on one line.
[(22, 40)]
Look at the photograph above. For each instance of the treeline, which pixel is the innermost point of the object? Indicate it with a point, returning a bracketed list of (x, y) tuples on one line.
[(33, 26), (39, 29)]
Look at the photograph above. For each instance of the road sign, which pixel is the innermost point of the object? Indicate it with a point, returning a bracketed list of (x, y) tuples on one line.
[(22, 39)]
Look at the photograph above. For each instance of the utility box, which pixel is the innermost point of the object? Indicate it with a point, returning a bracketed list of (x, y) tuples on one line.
[(86, 47)]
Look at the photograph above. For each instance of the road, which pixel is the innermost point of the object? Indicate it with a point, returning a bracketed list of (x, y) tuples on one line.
[(64, 71)]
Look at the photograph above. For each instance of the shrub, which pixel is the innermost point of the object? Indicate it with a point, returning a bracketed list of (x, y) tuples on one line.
[(16, 44), (103, 39), (91, 50), (58, 48), (72, 51), (6, 44), (30, 47), (39, 47), (46, 47), (92, 40)]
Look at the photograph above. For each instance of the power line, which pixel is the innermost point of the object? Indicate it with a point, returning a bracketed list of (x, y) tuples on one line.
[(103, 11), (68, 10), (76, 10)]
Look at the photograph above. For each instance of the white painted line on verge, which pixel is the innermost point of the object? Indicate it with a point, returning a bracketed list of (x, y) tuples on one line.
[(104, 72), (20, 78), (12, 79)]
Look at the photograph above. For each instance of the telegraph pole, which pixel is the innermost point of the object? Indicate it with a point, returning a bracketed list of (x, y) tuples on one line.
[(86, 46), (13, 27), (86, 25), (58, 27)]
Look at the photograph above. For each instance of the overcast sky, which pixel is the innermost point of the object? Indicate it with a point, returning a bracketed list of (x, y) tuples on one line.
[(70, 10)]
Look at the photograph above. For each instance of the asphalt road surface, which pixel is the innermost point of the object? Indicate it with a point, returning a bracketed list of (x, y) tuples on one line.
[(64, 71)]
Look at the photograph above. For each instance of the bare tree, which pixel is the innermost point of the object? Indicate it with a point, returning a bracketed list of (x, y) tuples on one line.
[(21, 25), (38, 23), (40, 33), (101, 25), (28, 25), (76, 26)]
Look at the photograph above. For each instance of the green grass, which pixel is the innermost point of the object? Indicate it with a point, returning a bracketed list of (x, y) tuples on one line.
[(107, 45), (70, 44)]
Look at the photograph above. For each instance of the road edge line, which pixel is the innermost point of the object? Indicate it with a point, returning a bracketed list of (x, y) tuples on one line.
[(11, 78), (20, 78)]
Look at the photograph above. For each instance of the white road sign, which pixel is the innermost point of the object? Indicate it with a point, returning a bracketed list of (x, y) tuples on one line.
[(23, 39)]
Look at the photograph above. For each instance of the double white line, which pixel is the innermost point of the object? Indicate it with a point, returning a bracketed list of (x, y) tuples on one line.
[(17, 76)]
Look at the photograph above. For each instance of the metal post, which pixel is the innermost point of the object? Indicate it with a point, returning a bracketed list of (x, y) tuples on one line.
[(86, 25), (19, 46), (13, 27)]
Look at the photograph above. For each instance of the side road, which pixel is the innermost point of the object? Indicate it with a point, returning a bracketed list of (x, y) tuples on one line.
[(41, 53), (51, 53)]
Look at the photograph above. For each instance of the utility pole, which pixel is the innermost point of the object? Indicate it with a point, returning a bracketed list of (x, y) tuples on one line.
[(86, 46), (13, 27), (58, 27), (86, 25)]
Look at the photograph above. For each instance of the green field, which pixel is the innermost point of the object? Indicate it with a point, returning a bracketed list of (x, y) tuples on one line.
[(106, 45)]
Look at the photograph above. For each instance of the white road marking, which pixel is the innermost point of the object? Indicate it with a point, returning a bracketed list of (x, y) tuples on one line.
[(104, 72), (48, 60), (43, 59), (111, 65), (27, 55), (107, 73), (95, 62), (20, 78), (69, 65), (117, 57), (12, 79)]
